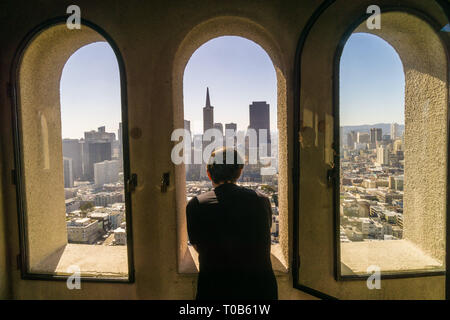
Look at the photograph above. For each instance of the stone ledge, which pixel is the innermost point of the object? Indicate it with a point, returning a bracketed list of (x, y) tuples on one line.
[(93, 260), (392, 256)]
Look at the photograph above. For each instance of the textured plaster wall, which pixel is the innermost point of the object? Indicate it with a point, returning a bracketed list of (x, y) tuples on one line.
[(149, 36), (39, 75)]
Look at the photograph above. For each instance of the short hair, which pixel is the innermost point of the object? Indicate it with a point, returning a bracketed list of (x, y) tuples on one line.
[(222, 169)]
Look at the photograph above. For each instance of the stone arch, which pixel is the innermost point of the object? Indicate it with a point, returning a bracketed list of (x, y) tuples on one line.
[(200, 34)]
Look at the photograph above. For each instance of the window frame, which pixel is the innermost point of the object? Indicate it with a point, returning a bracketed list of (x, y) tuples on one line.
[(18, 176), (333, 174)]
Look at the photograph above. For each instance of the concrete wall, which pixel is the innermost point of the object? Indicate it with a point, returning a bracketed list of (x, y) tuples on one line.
[(149, 36)]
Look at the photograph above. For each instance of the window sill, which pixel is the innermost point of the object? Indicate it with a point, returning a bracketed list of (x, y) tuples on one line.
[(94, 261), (398, 257)]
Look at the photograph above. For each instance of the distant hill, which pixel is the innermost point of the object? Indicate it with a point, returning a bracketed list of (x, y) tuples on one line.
[(385, 128)]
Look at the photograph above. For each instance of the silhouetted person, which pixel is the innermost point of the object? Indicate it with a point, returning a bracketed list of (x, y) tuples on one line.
[(230, 229)]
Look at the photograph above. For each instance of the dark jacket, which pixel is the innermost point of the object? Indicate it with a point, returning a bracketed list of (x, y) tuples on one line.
[(230, 227)]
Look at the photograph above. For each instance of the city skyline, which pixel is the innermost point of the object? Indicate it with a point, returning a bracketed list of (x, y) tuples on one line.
[(90, 84)]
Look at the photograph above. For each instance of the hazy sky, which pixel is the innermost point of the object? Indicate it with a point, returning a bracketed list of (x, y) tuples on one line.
[(237, 72), (372, 82), (90, 91)]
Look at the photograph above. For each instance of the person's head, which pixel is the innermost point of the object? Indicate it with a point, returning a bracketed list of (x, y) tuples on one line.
[(224, 166)]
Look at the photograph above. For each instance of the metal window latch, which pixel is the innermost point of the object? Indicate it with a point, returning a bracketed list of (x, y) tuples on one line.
[(331, 176), (132, 182), (165, 181)]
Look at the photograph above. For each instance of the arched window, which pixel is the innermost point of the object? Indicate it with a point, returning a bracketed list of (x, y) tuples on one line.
[(72, 159), (231, 82), (373, 156)]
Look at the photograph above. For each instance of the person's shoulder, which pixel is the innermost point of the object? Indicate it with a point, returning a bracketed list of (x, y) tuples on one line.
[(262, 197), (254, 194), (205, 197)]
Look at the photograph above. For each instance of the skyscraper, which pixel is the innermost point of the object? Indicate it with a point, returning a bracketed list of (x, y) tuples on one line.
[(375, 135), (208, 113), (72, 148), (260, 120), (230, 131), (97, 148), (106, 172), (218, 126), (187, 125), (68, 173), (395, 131), (382, 155)]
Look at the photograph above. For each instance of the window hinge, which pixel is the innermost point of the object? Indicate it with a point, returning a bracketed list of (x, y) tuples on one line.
[(13, 177), (132, 183), (19, 262)]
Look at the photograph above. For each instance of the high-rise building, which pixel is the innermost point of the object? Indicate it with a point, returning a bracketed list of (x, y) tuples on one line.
[(231, 131), (218, 126), (208, 113), (375, 135), (395, 131), (352, 137), (106, 172), (363, 137), (382, 155), (72, 148), (260, 120), (97, 148), (187, 125), (68, 172)]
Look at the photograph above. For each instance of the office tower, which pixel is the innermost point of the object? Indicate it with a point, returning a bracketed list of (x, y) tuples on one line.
[(363, 137), (72, 148), (106, 172), (68, 173), (208, 113), (219, 127), (395, 131), (187, 125), (375, 135), (260, 120), (97, 148), (352, 137), (231, 132), (382, 155)]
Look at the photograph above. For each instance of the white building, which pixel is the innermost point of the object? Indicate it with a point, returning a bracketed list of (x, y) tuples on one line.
[(395, 131), (82, 230), (68, 172), (382, 155), (106, 172), (120, 236)]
